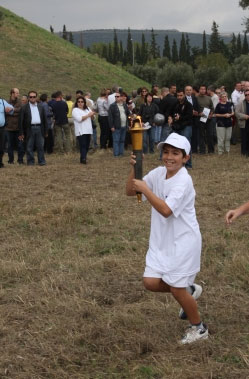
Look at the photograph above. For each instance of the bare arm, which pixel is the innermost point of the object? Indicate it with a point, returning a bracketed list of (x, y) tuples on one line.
[(235, 213)]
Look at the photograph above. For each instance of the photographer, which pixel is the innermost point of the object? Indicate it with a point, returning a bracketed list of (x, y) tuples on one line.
[(181, 119)]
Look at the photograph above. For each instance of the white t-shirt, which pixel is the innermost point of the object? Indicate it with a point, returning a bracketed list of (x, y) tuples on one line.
[(175, 242), (81, 127)]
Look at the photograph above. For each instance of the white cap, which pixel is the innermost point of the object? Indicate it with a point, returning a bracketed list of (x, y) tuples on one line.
[(178, 141)]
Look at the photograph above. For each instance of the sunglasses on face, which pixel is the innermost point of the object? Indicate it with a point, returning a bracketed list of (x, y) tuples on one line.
[(32, 97), (117, 96)]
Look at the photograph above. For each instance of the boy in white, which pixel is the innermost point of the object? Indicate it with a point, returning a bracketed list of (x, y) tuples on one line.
[(173, 257)]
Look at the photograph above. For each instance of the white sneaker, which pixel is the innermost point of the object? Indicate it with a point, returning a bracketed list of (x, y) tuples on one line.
[(194, 334), (196, 294)]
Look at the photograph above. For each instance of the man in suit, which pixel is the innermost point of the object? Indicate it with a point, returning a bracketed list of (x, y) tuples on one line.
[(189, 93), (33, 127)]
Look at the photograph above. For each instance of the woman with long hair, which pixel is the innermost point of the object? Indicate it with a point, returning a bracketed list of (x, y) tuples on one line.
[(82, 126)]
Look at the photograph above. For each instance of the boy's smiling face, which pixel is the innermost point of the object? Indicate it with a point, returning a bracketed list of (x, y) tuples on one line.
[(173, 159)]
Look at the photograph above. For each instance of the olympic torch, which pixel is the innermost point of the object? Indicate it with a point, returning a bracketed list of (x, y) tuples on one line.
[(136, 131)]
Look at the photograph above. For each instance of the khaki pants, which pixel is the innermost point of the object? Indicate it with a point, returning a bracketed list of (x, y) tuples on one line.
[(62, 138), (223, 139)]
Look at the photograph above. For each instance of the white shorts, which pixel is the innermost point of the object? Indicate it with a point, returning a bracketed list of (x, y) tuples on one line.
[(172, 280)]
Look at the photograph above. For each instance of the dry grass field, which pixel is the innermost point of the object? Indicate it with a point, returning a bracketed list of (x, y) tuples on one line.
[(72, 304)]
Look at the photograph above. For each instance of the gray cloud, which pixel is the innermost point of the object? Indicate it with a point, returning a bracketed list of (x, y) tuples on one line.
[(186, 16)]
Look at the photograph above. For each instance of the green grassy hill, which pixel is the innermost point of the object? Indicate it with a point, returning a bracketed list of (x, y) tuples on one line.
[(33, 58)]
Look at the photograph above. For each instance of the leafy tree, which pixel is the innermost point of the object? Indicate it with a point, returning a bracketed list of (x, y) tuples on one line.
[(214, 45), (166, 48), (180, 73), (175, 57), (241, 67), (245, 49), (129, 48), (245, 4), (51, 29), (71, 37), (115, 56), (182, 50), (64, 32), (239, 46), (204, 44)]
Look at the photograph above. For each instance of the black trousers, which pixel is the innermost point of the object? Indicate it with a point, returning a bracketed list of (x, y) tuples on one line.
[(244, 133), (104, 131), (206, 136)]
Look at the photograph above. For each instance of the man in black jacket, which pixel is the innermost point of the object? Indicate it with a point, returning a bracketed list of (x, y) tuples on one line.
[(196, 123), (118, 122), (33, 127), (181, 119)]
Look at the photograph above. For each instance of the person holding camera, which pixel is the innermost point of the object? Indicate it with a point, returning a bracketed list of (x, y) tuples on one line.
[(181, 119)]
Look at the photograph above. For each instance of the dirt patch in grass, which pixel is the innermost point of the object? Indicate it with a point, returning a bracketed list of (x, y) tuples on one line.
[(72, 255)]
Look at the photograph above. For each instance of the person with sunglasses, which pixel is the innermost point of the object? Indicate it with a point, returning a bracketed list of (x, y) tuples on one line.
[(82, 116), (33, 128)]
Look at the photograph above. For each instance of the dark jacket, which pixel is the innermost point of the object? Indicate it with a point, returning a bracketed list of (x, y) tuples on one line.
[(185, 112), (114, 116), (12, 119), (60, 111), (25, 120), (166, 105), (147, 112)]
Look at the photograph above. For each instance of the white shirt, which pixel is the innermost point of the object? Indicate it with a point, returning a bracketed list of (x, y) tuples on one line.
[(175, 242), (35, 115), (215, 100), (111, 99), (236, 96), (82, 127)]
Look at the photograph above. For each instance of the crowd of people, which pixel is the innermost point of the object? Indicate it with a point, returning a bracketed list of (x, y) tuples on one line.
[(206, 116)]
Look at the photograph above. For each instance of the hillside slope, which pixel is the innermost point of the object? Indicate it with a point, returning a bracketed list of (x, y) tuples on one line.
[(33, 58)]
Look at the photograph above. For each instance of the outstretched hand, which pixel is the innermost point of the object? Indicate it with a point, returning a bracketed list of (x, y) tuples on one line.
[(231, 216)]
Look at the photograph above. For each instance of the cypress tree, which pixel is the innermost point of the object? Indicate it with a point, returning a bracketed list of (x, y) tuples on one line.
[(121, 51), (204, 44), (166, 48), (129, 48), (105, 52), (188, 50), (138, 54), (174, 52), (71, 37), (81, 40), (51, 29), (115, 56), (182, 50), (144, 50), (64, 33), (239, 46), (245, 49), (110, 56), (153, 45), (214, 42), (233, 48)]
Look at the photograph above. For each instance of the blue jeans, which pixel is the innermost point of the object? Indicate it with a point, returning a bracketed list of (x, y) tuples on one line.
[(35, 140), (118, 137), (84, 142), (158, 131), (187, 132), (14, 142), (148, 140)]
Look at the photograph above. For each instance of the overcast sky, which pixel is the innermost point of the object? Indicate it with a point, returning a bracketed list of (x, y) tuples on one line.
[(184, 15)]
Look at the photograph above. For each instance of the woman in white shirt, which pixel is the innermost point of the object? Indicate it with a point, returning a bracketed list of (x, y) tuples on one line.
[(82, 126)]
